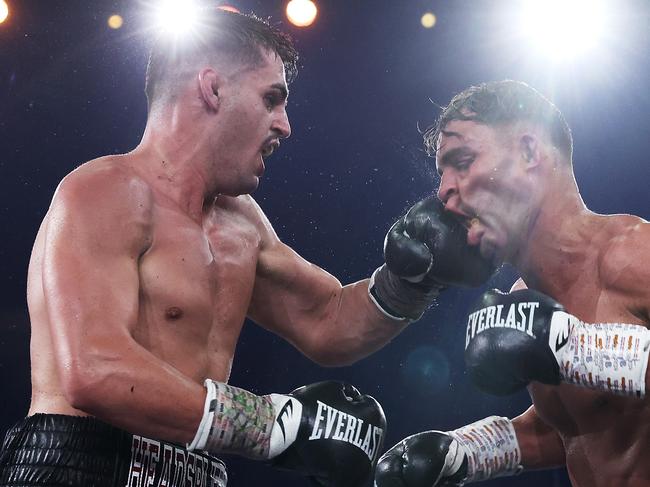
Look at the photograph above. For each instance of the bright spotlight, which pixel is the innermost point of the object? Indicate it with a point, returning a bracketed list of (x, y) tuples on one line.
[(562, 29), (177, 17), (301, 13), (4, 11)]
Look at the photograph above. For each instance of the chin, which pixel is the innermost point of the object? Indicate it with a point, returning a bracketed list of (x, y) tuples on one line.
[(252, 186)]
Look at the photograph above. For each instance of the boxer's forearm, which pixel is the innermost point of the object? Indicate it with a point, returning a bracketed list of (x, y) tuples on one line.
[(351, 330), (132, 389), (541, 446)]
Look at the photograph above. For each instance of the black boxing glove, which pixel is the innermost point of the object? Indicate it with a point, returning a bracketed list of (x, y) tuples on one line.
[(425, 251), (339, 437), (513, 339), (507, 341), (428, 459), (481, 450), (327, 431)]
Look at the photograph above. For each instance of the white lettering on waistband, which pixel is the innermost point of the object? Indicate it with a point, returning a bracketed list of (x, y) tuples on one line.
[(158, 464)]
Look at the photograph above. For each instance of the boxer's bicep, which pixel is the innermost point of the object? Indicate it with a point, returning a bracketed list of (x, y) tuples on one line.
[(90, 275), (291, 295)]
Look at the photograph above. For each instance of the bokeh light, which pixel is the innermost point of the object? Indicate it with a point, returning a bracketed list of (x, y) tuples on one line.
[(4, 11), (115, 21), (426, 370), (301, 13), (428, 20)]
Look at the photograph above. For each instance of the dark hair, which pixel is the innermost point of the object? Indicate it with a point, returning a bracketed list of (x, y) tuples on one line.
[(502, 103), (239, 38)]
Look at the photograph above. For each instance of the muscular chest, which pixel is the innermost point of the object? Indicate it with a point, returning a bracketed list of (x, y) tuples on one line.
[(201, 272)]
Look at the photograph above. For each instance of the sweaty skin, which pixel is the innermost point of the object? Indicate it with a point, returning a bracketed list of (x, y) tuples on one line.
[(146, 265), (522, 206)]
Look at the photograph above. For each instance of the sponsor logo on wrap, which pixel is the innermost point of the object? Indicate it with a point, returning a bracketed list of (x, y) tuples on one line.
[(332, 424), (159, 464)]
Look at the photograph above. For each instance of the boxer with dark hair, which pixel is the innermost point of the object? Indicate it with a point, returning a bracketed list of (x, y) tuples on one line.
[(147, 264), (578, 338)]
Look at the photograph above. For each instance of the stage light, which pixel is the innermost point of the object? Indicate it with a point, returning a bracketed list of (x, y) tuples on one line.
[(115, 21), (562, 29), (177, 17), (301, 13), (4, 11), (428, 20)]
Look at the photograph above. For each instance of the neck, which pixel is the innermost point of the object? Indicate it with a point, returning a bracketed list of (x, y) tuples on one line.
[(173, 160), (556, 249)]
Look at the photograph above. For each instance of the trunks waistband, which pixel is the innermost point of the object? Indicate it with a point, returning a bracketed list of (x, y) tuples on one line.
[(47, 449)]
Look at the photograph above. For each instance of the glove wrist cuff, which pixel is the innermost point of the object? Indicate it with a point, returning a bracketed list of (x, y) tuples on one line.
[(383, 308), (491, 447), (398, 299)]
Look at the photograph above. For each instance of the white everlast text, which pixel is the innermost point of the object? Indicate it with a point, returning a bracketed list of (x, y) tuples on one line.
[(336, 425), (519, 316)]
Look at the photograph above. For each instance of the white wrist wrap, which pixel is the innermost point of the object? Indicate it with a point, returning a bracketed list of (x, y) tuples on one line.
[(202, 433), (491, 447), (610, 357)]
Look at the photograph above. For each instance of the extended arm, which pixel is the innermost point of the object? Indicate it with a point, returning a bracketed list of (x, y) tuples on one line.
[(425, 251)]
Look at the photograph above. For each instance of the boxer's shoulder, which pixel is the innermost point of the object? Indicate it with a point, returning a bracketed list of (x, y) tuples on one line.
[(106, 180), (244, 211), (624, 267), (111, 189)]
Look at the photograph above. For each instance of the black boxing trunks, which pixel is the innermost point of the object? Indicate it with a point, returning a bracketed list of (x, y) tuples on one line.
[(57, 450)]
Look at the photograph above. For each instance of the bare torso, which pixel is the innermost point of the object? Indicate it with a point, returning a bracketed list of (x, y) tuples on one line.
[(606, 438), (196, 282)]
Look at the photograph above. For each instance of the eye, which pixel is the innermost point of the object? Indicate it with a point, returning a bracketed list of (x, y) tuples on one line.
[(271, 100), (463, 164)]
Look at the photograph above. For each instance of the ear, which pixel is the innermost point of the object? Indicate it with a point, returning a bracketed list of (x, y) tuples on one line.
[(529, 146), (209, 84)]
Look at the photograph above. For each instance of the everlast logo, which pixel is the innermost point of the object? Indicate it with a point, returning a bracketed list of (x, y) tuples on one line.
[(519, 316), (332, 424)]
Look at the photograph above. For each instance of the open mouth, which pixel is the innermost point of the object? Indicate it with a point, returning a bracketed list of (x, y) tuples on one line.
[(466, 220), (268, 149)]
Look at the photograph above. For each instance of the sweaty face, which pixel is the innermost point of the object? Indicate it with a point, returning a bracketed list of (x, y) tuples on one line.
[(253, 119), (484, 182)]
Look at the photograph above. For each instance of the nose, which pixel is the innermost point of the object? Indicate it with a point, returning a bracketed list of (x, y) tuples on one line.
[(281, 125), (448, 186)]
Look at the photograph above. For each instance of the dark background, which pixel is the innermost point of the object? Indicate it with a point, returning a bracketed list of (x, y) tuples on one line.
[(71, 89)]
